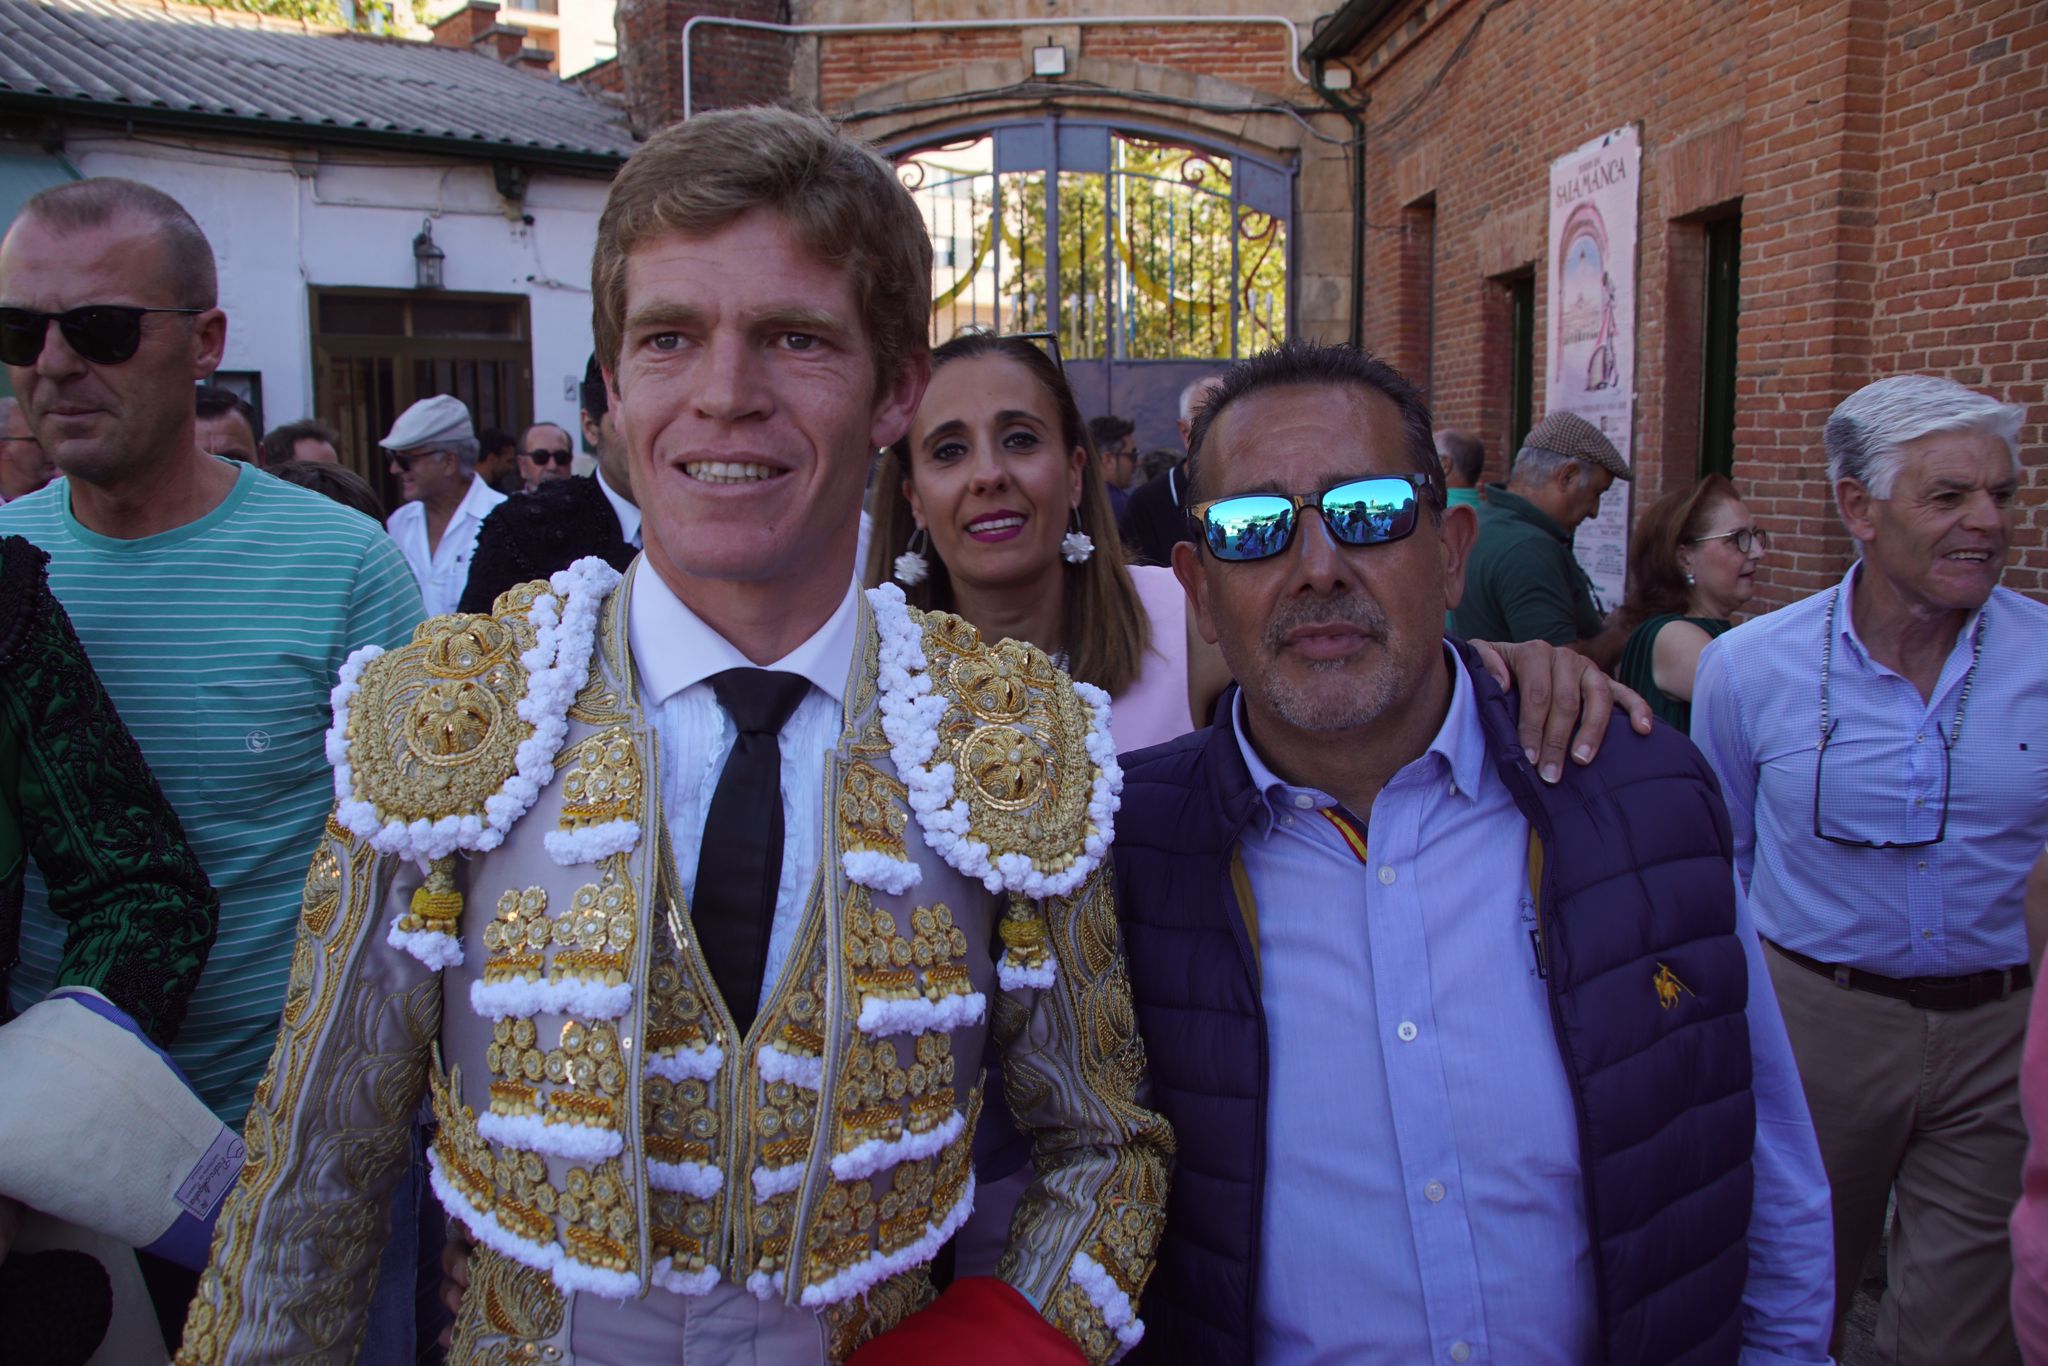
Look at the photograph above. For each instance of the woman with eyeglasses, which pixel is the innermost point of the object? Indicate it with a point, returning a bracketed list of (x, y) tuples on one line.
[(1692, 564), (994, 508)]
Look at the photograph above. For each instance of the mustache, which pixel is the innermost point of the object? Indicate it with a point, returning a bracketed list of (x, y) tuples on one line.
[(1350, 609)]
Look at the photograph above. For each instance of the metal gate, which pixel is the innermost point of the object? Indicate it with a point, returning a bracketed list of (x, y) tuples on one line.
[(1156, 259)]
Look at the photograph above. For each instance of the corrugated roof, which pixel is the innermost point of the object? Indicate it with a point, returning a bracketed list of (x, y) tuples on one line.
[(169, 63)]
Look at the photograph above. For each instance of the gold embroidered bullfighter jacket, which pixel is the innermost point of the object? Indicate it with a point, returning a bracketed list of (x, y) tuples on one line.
[(493, 919)]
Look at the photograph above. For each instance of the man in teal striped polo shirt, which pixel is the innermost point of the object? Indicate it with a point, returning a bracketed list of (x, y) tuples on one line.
[(216, 602)]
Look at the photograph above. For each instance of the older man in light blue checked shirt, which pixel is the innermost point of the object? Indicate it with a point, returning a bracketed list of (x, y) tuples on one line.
[(1883, 747)]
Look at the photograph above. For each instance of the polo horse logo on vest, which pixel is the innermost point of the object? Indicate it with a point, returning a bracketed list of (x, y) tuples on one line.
[(1669, 986)]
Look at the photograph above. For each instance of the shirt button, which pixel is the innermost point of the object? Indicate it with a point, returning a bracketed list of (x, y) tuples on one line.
[(1303, 800), (1435, 1191), (1919, 801), (1407, 1031), (1927, 934), (1923, 865), (1920, 739), (1386, 875), (1287, 820), (1461, 1350)]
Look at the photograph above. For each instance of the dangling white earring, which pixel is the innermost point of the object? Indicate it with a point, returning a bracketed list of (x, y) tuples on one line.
[(1690, 581), (912, 568), (1075, 546)]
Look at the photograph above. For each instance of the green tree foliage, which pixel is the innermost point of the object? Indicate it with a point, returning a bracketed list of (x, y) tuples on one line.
[(1146, 248)]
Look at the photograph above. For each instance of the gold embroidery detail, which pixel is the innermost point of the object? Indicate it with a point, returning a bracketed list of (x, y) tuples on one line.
[(437, 902), (322, 897), (1016, 735), (434, 728), (666, 1149), (604, 783), (1669, 986), (852, 1322), (887, 965), (351, 1013), (591, 1213), (517, 934), (508, 1314), (874, 810), (1023, 933), (1128, 1199)]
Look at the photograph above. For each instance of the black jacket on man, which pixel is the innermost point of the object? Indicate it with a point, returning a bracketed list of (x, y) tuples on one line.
[(1152, 520), (532, 535)]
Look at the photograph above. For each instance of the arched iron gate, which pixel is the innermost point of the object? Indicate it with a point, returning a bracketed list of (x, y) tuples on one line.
[(1155, 258)]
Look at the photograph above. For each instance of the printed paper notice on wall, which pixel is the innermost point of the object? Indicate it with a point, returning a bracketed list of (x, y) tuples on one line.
[(1590, 324)]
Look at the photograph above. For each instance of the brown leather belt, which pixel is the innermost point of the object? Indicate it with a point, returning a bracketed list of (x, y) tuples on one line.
[(1925, 993)]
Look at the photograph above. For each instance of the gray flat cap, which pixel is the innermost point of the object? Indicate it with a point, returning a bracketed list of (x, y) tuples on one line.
[(430, 422), (1570, 435)]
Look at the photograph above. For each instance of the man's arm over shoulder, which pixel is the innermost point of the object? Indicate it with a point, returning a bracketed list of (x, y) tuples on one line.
[(329, 1132), (1718, 729), (1788, 1307)]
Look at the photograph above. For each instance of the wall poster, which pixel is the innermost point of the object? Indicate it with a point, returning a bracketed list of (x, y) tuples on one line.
[(1590, 321)]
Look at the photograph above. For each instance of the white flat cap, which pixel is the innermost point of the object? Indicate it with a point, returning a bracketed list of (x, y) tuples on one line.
[(430, 422)]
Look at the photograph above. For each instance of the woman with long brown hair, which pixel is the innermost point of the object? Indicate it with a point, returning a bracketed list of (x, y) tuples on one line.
[(1692, 565), (994, 508)]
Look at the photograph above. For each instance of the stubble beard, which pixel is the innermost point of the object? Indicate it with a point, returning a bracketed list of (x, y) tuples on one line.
[(1335, 696)]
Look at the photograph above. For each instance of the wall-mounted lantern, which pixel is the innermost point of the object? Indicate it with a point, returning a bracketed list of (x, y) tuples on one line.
[(427, 258), (1048, 61)]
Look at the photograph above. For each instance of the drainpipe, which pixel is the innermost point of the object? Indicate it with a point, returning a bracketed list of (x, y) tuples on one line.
[(1355, 116)]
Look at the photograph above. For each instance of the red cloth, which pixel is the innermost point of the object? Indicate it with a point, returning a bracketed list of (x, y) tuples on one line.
[(980, 1319)]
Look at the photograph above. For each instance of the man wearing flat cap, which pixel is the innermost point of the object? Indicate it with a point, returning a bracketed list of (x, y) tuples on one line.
[(1522, 582), (433, 455)]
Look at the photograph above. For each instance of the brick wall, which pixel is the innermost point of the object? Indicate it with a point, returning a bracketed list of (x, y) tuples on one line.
[(1961, 253), (730, 67), (1890, 159), (1253, 57)]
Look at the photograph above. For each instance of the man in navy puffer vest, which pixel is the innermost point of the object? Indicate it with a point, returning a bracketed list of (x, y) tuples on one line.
[(1466, 1066)]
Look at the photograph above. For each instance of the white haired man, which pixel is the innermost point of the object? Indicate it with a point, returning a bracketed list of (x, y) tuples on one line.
[(1880, 746), (434, 453)]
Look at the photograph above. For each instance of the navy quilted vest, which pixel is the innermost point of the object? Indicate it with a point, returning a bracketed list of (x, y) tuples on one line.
[(1635, 874)]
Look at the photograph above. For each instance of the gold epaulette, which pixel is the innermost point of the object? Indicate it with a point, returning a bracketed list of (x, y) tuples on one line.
[(1017, 733), (434, 726)]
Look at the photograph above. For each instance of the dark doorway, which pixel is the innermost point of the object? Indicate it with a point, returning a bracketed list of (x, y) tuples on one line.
[(377, 352)]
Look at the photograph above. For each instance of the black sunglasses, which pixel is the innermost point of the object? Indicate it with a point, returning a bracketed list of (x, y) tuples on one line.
[(404, 459), (1257, 526), (105, 334), (562, 458)]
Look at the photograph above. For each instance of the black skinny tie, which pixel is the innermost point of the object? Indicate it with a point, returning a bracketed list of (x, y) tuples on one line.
[(740, 863)]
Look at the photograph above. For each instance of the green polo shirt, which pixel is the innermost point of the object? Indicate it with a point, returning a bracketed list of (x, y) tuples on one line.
[(1521, 582)]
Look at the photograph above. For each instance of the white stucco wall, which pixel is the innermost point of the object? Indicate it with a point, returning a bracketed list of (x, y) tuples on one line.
[(347, 218)]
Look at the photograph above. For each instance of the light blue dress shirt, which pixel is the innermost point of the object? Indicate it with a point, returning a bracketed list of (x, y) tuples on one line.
[(1423, 1197), (1940, 911)]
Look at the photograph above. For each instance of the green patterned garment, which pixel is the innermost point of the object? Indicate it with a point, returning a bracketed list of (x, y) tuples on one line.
[(77, 797)]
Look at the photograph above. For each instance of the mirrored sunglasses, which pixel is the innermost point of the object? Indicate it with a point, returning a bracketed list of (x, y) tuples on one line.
[(1257, 526), (105, 334)]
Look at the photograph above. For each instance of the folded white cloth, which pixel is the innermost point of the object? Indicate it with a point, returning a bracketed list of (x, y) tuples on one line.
[(100, 1130)]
